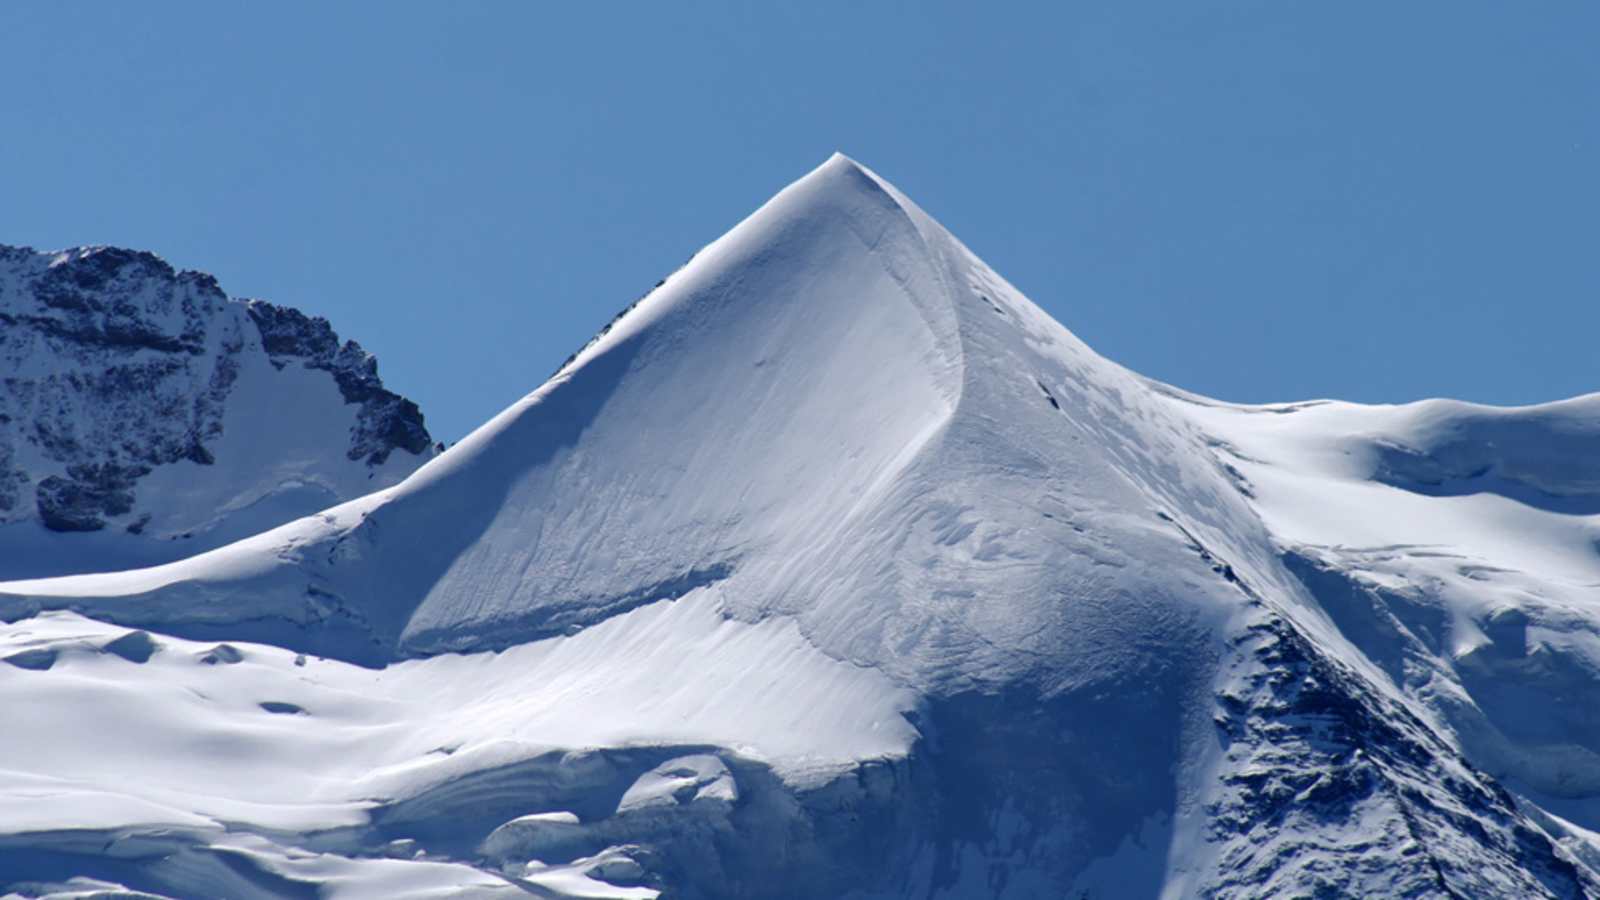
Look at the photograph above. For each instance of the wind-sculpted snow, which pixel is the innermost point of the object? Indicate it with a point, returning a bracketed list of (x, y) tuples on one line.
[(836, 568), (146, 417), (1458, 547)]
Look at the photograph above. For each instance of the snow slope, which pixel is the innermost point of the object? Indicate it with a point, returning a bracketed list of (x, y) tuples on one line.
[(147, 417), (1458, 546), (834, 567)]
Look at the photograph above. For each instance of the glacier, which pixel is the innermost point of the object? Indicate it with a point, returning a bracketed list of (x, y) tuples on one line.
[(834, 567)]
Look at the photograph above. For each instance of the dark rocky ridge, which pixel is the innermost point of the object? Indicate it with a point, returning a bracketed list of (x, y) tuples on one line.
[(387, 420), (114, 363)]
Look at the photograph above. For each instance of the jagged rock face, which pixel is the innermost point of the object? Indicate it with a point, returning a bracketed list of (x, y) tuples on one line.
[(94, 342), (116, 366), (386, 420)]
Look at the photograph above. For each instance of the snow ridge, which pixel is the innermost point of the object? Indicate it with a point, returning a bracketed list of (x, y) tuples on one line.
[(836, 567)]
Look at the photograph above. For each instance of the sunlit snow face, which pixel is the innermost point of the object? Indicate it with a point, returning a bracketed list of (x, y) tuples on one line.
[(834, 557)]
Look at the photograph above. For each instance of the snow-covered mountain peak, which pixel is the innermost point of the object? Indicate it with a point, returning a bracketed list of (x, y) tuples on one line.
[(833, 388), (147, 417), (835, 567)]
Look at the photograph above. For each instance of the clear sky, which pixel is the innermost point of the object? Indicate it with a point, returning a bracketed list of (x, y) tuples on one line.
[(1254, 200)]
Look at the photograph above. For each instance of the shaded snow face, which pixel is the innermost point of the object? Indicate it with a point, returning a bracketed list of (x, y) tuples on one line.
[(147, 417), (835, 567)]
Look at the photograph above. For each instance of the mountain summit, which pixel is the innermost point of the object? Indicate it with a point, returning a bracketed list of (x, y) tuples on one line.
[(837, 568)]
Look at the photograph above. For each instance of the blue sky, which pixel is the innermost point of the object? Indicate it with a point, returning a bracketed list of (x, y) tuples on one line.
[(1257, 200)]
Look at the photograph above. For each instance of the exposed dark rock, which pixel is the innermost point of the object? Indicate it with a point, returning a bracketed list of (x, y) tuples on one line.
[(112, 364), (386, 420), (80, 500)]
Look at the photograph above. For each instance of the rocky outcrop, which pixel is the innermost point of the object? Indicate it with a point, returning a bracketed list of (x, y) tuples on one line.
[(115, 365), (386, 422)]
